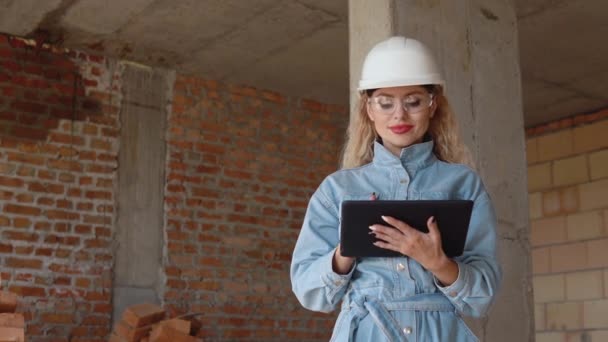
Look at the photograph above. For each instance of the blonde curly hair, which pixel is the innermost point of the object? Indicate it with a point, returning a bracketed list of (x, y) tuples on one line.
[(443, 129)]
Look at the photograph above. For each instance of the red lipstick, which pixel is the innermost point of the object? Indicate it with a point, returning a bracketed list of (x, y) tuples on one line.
[(401, 129)]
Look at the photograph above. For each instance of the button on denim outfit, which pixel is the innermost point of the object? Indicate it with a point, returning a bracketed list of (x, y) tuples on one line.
[(396, 299)]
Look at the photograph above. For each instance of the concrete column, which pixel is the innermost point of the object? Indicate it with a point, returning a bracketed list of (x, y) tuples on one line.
[(141, 164), (476, 44)]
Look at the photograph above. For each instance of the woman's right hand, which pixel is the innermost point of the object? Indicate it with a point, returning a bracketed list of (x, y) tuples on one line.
[(342, 264)]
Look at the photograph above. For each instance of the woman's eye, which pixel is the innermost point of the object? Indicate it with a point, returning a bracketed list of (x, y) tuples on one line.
[(386, 105), (413, 102)]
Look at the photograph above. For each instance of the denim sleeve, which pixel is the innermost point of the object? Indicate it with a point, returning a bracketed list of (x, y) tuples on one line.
[(313, 280), (479, 274)]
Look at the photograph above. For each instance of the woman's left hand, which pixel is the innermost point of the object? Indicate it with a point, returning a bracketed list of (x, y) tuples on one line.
[(422, 247)]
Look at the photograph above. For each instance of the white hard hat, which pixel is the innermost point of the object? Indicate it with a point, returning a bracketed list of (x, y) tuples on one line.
[(399, 61)]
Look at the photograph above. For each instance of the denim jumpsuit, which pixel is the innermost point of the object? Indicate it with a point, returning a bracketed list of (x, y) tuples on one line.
[(396, 299)]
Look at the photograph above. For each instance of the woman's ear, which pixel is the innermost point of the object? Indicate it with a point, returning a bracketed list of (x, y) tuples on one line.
[(368, 111), (433, 109)]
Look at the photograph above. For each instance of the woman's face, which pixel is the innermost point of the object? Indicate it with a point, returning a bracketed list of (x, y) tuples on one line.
[(401, 115)]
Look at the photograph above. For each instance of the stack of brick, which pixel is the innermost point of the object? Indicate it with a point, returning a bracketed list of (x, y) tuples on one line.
[(147, 323), (11, 324)]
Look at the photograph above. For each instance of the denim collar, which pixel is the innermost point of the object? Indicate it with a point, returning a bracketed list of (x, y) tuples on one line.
[(412, 158)]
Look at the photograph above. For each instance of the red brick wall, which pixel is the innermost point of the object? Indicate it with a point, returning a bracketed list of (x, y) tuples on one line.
[(58, 152), (241, 166)]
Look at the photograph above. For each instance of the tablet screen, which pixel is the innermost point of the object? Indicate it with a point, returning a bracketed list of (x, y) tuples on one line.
[(452, 217)]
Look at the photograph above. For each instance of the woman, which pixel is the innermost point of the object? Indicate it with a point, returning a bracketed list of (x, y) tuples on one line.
[(403, 144)]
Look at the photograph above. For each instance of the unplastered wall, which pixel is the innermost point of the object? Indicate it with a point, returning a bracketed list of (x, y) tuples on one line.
[(241, 166), (58, 148), (568, 196)]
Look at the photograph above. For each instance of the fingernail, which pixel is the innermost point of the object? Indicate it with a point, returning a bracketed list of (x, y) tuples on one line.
[(372, 227), (384, 218), (433, 219)]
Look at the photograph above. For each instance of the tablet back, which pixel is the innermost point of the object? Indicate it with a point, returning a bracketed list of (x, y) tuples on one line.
[(452, 217)]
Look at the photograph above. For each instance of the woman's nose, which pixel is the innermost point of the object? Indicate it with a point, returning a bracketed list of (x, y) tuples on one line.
[(399, 111)]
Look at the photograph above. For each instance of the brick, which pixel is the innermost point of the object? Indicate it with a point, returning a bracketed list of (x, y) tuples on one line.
[(570, 171), (28, 133), (22, 210), (541, 260), (564, 316), (586, 225), (164, 333), (142, 314), (12, 334), (569, 257), (569, 199), (598, 164), (584, 285), (565, 200), (24, 263), (549, 288), (56, 318), (8, 301), (180, 325), (593, 195), (598, 253), (539, 317), (20, 236), (21, 222), (117, 338), (7, 168), (11, 182), (532, 150), (539, 177), (606, 283), (551, 203), (129, 333), (555, 145), (535, 205), (12, 320), (28, 291), (595, 314), (6, 248), (25, 158), (591, 137), (68, 139), (25, 198), (548, 231)]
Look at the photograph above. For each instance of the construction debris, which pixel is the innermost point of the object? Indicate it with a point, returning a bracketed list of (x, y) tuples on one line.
[(146, 323), (12, 325)]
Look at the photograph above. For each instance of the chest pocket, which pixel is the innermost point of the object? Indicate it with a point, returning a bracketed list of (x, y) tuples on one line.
[(361, 196)]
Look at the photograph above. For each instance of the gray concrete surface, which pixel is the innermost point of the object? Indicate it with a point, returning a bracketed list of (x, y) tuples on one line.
[(563, 57), (20, 17), (298, 47), (478, 51), (139, 228)]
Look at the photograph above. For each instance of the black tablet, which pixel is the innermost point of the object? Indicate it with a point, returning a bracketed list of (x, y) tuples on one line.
[(452, 217)]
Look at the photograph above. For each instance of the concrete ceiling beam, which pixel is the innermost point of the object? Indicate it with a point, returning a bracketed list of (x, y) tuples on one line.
[(22, 17)]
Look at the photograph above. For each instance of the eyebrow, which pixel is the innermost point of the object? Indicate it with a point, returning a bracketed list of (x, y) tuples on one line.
[(408, 94)]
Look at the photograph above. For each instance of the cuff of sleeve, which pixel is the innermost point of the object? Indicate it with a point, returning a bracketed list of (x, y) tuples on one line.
[(332, 279), (455, 290)]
